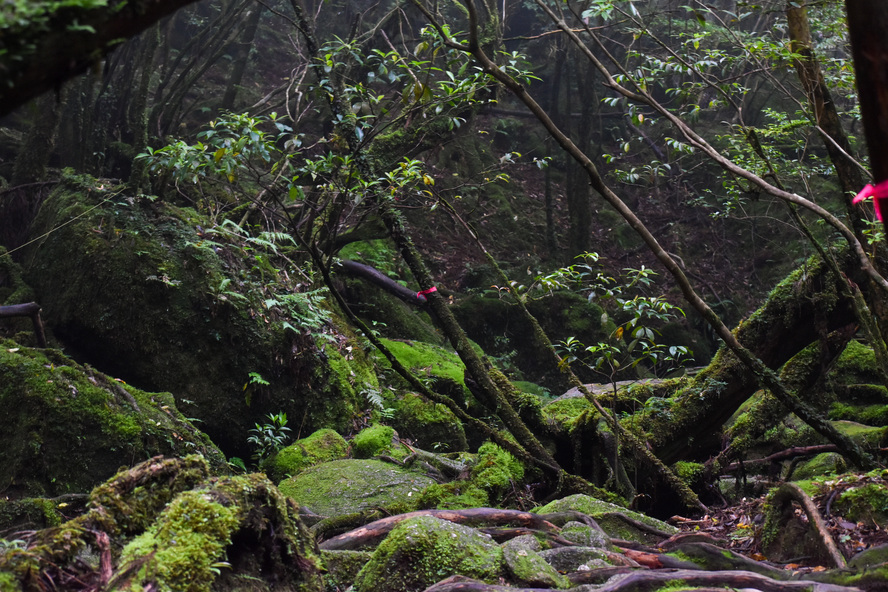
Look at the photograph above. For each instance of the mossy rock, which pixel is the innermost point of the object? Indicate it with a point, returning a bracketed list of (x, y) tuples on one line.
[(351, 485), (856, 365), (373, 440), (322, 446), (605, 513), (826, 463), (139, 290), (421, 551), (874, 415), (867, 436), (866, 503), (441, 367), (68, 427), (527, 568), (563, 413), (429, 425), (342, 567)]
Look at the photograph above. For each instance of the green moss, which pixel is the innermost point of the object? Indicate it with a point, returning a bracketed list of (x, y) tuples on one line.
[(689, 472), (182, 551), (565, 413), (494, 473), (827, 463), (69, 427), (873, 415), (604, 513), (427, 359), (870, 437), (424, 550), (866, 503), (321, 446), (856, 365), (372, 441), (347, 486), (30, 514), (430, 425)]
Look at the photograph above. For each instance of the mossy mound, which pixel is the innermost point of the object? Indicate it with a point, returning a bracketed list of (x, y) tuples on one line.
[(430, 425), (348, 486), (608, 517), (141, 290), (321, 446), (424, 550), (856, 365), (826, 463), (866, 503), (68, 427), (373, 440), (179, 530), (441, 367)]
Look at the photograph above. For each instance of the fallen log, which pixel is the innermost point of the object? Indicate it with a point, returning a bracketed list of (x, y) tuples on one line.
[(30, 309)]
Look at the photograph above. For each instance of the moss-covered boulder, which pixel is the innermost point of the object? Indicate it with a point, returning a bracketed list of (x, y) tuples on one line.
[(68, 427), (373, 440), (429, 425), (424, 550), (144, 291), (347, 486), (608, 516), (440, 366), (527, 567), (321, 446)]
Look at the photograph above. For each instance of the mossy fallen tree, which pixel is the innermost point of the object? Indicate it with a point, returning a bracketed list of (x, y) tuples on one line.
[(804, 308)]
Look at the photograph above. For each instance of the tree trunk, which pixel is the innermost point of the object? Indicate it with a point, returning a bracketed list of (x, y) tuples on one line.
[(825, 114), (241, 57), (867, 23), (31, 160)]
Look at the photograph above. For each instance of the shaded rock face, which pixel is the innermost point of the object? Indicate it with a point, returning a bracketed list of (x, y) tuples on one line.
[(347, 486), (140, 290), (424, 550), (67, 427)]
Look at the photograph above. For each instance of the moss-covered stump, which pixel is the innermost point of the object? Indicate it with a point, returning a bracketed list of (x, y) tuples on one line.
[(141, 290), (422, 551), (494, 473), (179, 530), (347, 486), (68, 427), (321, 446), (609, 517)]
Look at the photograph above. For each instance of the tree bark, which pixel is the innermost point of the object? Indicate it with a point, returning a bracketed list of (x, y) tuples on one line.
[(867, 23), (37, 60)]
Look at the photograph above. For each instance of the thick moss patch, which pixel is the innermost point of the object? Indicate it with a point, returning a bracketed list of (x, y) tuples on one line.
[(321, 446), (347, 486), (68, 427), (424, 550)]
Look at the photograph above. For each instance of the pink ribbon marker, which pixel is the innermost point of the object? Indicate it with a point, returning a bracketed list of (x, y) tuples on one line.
[(425, 293), (878, 192)]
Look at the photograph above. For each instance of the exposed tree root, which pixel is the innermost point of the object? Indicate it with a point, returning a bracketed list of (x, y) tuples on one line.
[(780, 504)]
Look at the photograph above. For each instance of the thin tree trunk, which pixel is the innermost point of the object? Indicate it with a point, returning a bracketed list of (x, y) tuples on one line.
[(31, 160)]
